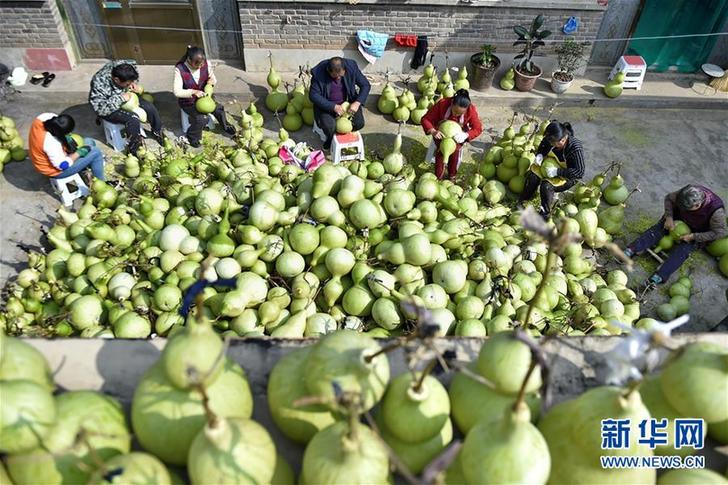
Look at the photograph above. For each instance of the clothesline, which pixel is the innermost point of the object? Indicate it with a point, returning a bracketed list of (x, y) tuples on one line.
[(484, 41)]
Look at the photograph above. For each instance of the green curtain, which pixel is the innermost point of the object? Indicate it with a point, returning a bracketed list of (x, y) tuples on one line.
[(675, 17)]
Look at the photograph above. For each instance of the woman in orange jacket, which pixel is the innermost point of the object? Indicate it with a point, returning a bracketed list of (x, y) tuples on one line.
[(55, 154), (460, 109)]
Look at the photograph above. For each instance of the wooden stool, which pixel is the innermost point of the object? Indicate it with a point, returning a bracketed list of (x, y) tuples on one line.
[(61, 188), (342, 142)]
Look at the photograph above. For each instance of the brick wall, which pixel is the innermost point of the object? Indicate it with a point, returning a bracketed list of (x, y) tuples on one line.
[(33, 35), (31, 24), (322, 25)]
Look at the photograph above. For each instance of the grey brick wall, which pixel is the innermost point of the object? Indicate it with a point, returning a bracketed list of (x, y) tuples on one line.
[(31, 24), (322, 25)]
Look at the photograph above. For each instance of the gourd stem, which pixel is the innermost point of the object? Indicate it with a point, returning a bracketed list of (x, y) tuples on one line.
[(353, 419), (633, 386), (83, 437), (388, 348), (522, 390), (636, 189), (212, 419), (532, 136), (425, 372)]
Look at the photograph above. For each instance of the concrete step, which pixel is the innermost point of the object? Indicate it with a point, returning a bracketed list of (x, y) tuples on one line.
[(660, 90)]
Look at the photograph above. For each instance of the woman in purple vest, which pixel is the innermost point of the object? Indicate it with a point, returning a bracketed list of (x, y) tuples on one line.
[(698, 207), (191, 74)]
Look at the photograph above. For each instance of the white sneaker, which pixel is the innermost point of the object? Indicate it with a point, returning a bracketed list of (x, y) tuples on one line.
[(182, 140)]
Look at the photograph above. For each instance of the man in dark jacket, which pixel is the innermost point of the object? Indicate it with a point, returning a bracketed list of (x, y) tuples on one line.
[(110, 89), (333, 82)]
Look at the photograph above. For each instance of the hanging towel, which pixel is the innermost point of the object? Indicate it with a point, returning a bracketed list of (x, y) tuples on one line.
[(571, 25), (406, 40), (420, 52), (371, 44)]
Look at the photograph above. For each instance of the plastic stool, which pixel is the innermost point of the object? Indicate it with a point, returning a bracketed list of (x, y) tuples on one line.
[(318, 131), (61, 188), (430, 155), (350, 140), (634, 69), (115, 135), (185, 121)]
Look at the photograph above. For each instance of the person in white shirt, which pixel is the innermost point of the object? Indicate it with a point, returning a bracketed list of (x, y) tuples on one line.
[(54, 152), (191, 74)]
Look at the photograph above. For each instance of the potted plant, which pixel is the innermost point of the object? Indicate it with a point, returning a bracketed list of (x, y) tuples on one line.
[(484, 64), (570, 56), (526, 71)]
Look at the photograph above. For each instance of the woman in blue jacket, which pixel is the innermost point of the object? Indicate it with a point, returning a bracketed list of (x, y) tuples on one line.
[(333, 82)]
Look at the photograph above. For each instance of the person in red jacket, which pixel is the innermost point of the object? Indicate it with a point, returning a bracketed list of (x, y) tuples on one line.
[(460, 109)]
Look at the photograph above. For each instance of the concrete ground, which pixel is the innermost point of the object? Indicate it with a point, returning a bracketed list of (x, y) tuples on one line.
[(662, 149)]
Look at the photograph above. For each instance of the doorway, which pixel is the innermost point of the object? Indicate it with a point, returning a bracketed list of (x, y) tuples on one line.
[(151, 31), (668, 20)]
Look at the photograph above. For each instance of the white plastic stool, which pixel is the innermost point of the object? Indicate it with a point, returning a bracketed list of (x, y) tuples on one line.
[(350, 140), (634, 69), (318, 131), (61, 188), (115, 135), (430, 155), (185, 121)]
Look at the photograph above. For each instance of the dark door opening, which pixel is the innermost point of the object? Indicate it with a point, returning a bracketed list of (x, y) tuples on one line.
[(152, 32)]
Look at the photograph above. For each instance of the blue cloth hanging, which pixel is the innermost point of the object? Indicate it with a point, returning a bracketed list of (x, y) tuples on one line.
[(571, 25), (371, 44)]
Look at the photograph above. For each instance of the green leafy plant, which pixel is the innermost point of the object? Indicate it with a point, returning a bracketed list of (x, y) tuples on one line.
[(486, 55), (530, 39), (570, 57)]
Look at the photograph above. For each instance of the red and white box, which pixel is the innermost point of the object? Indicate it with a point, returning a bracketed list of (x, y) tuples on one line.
[(634, 69)]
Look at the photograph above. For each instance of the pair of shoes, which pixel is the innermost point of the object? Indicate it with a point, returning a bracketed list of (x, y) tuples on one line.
[(45, 77), (230, 130), (544, 213), (628, 252)]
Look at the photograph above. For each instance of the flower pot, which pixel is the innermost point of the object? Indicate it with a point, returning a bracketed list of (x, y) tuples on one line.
[(558, 85), (482, 76), (525, 82)]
